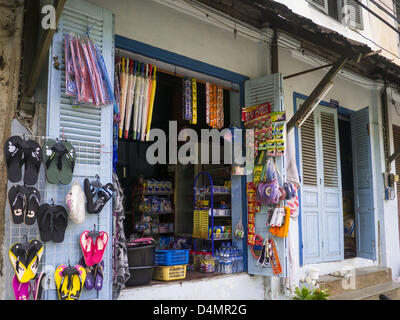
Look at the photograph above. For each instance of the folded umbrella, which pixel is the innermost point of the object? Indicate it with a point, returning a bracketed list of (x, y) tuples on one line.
[(153, 94)]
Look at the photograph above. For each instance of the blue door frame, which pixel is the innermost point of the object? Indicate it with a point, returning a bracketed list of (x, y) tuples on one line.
[(149, 51), (341, 111)]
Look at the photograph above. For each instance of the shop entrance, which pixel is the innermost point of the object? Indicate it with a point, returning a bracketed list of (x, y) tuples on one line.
[(159, 199), (346, 161)]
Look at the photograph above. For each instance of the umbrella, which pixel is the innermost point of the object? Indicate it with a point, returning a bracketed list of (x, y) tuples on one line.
[(124, 81), (139, 83), (141, 99), (151, 105), (146, 102), (131, 101)]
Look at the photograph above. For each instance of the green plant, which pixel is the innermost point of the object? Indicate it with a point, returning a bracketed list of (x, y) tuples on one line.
[(310, 294)]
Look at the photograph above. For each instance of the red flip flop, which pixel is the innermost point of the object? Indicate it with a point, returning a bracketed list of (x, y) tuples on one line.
[(100, 247), (88, 248)]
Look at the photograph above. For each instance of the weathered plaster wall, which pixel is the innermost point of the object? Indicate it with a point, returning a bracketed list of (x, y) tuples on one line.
[(11, 14)]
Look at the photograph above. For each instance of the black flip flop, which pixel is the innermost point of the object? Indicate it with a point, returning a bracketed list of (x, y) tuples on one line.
[(32, 205), (32, 160), (16, 199), (104, 194), (60, 218), (90, 193), (38, 286), (44, 222), (13, 153)]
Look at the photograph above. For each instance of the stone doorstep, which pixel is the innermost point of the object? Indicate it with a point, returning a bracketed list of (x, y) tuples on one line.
[(365, 277), (390, 289)]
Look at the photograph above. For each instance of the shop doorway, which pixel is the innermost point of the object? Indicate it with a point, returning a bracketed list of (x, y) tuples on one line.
[(159, 199), (346, 160)]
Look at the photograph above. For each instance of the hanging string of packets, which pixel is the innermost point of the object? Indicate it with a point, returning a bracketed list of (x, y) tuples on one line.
[(86, 76), (214, 103), (269, 129), (136, 89)]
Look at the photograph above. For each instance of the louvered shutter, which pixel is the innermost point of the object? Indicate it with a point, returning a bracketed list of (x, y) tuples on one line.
[(89, 129), (310, 191), (396, 143), (320, 4), (352, 14), (363, 185), (331, 186), (261, 90)]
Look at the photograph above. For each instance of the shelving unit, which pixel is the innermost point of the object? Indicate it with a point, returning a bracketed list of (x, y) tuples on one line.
[(200, 227)]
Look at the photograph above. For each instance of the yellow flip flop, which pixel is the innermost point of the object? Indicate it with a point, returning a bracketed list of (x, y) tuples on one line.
[(61, 282), (78, 279)]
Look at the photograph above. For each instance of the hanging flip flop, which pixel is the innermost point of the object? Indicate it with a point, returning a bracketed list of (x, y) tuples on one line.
[(104, 194), (51, 150), (87, 246), (13, 153), (60, 218), (22, 291), (32, 205), (78, 279), (38, 286), (89, 282), (99, 247), (99, 275), (68, 159), (45, 222), (90, 193), (16, 198), (33, 160), (18, 258), (61, 281), (35, 253)]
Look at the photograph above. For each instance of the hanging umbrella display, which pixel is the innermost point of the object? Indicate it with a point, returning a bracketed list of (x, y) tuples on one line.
[(131, 92), (151, 105), (125, 82)]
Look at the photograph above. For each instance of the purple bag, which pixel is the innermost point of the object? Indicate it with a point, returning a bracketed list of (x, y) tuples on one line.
[(268, 192)]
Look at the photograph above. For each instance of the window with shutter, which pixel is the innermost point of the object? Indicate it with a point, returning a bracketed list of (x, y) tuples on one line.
[(321, 4), (88, 128), (329, 148), (352, 14), (309, 152)]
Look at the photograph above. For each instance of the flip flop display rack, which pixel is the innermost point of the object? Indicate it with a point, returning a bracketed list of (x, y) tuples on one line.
[(42, 223)]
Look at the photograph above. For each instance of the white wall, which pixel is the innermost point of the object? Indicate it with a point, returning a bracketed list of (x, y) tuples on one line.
[(169, 29), (228, 287)]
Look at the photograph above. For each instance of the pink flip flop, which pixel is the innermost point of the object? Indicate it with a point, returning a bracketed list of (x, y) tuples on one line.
[(22, 291), (87, 246), (100, 247)]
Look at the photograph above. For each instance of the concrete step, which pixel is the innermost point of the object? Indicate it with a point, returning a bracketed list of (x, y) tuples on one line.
[(365, 277), (390, 289)]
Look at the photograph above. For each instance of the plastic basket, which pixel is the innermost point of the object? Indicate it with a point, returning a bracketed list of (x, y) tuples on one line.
[(171, 257), (169, 273)]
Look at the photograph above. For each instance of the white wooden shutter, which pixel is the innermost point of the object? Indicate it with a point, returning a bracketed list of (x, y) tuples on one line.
[(352, 14), (320, 4), (261, 90), (89, 129), (331, 186), (363, 185), (310, 191)]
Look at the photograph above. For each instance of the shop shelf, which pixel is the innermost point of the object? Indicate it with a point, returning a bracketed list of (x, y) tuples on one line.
[(170, 273), (171, 257)]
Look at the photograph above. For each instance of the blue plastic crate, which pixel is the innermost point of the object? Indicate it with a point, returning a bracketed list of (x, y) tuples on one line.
[(171, 257)]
